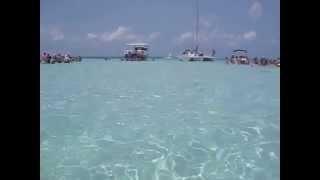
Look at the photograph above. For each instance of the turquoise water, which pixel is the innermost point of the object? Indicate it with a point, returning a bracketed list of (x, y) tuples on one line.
[(159, 120)]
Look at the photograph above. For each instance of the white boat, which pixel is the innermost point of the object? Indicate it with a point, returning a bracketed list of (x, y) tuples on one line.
[(136, 52), (240, 56), (195, 54), (278, 64), (169, 56)]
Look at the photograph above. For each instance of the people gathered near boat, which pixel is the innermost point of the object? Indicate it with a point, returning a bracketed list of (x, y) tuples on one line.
[(254, 61), (240, 56), (46, 58)]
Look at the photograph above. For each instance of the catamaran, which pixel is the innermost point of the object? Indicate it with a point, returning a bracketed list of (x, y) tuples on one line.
[(136, 52), (194, 54)]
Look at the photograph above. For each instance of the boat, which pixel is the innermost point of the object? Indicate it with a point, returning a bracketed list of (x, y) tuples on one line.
[(169, 56), (194, 54), (240, 56), (136, 52), (278, 62)]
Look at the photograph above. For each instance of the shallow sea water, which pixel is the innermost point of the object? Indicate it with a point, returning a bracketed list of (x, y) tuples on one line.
[(159, 120)]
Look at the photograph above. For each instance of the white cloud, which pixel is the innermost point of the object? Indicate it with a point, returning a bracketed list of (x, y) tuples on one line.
[(122, 33), (51, 33), (91, 36), (134, 37), (232, 37), (56, 34), (184, 37), (256, 9), (154, 36), (104, 36), (251, 35), (218, 36), (205, 22), (119, 34)]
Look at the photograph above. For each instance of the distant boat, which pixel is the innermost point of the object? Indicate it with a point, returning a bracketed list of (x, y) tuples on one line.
[(195, 54), (240, 56), (169, 56), (136, 52), (278, 64)]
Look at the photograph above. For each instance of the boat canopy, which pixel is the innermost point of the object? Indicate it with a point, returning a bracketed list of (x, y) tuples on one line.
[(138, 44), (240, 50)]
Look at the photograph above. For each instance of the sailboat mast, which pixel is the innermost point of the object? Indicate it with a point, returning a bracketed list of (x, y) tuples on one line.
[(197, 25)]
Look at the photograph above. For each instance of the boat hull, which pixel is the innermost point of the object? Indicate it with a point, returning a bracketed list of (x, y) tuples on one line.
[(134, 58), (196, 58)]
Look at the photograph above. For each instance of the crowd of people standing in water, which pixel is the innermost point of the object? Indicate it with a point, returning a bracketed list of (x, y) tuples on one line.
[(256, 61), (46, 58)]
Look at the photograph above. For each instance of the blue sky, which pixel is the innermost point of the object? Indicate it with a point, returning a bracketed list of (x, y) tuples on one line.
[(103, 27)]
